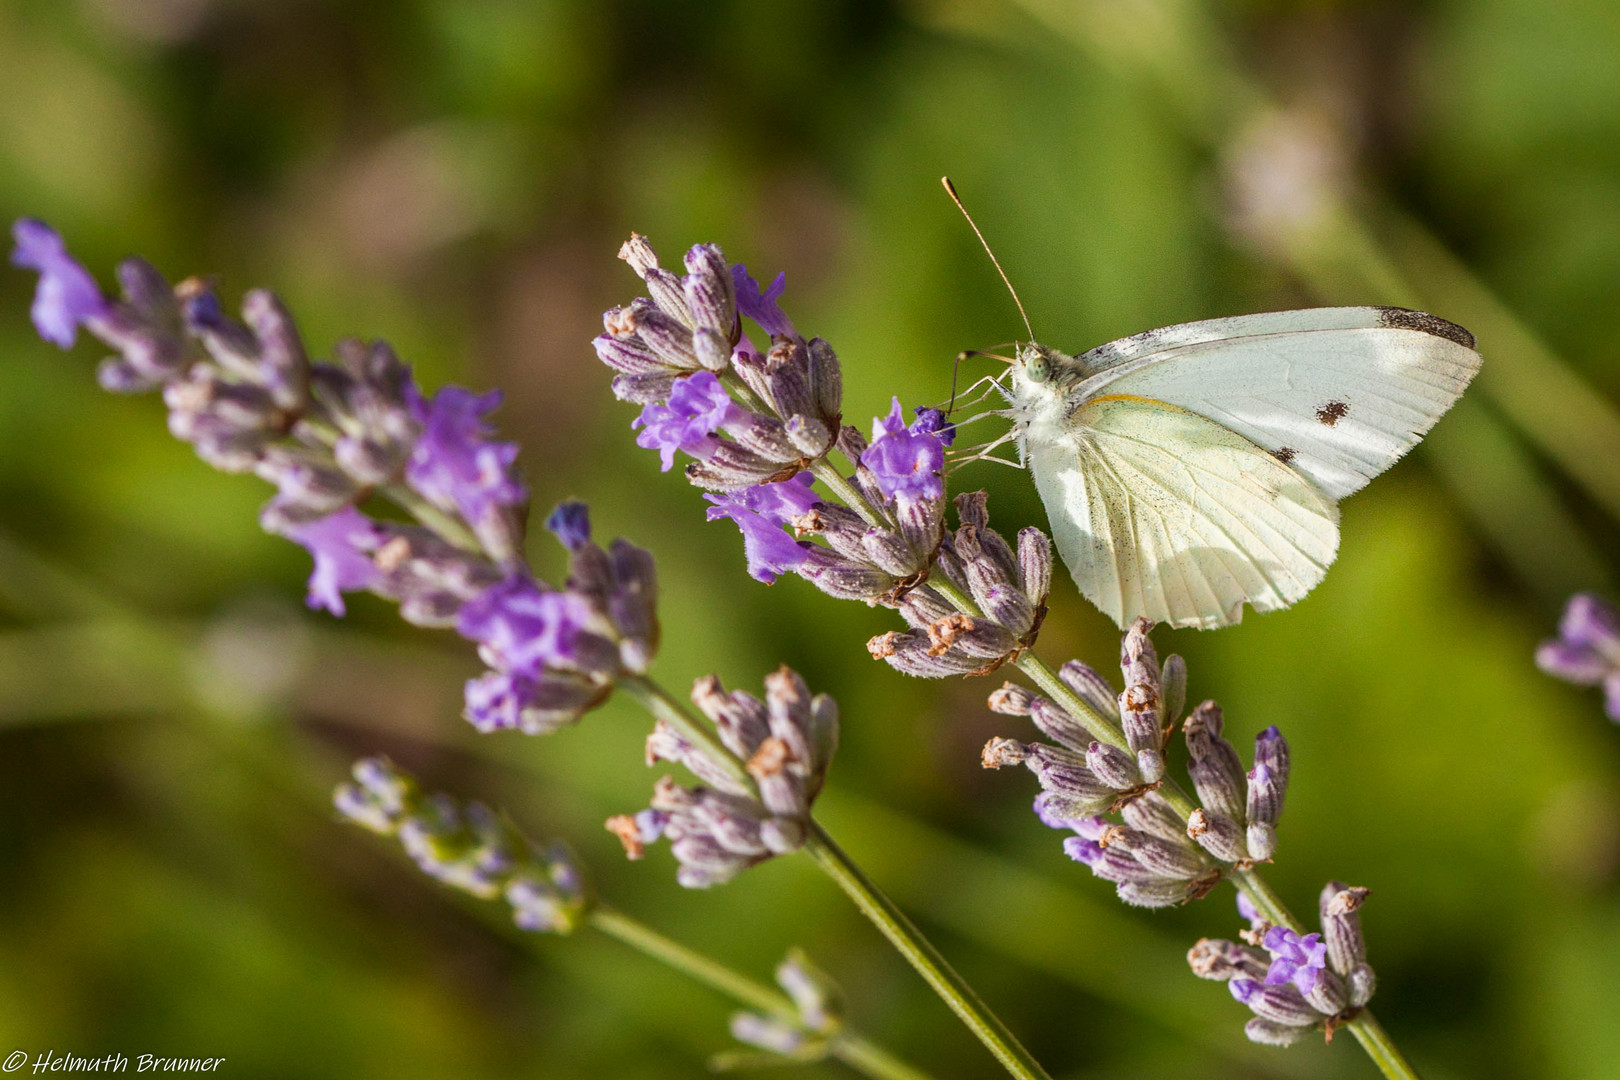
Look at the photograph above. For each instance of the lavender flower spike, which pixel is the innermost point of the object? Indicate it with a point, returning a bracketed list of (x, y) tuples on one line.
[(1587, 649), (720, 828), (67, 296), (468, 847)]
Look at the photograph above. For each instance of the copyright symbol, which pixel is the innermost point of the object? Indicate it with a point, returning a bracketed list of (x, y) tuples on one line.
[(15, 1060)]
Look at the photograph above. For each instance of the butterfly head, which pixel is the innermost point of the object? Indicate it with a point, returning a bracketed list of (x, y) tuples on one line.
[(1036, 365)]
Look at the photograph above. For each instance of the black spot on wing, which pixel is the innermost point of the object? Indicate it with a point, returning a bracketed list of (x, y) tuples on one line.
[(1406, 319), (1284, 454), (1332, 413)]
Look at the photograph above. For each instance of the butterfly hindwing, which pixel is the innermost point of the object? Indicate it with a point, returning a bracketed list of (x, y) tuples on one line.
[(1158, 511), (1338, 393)]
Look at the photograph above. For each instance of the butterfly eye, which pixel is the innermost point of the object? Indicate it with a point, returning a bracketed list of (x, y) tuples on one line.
[(1038, 368)]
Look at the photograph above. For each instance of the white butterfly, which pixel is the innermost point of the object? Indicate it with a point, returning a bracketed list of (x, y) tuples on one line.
[(1192, 469)]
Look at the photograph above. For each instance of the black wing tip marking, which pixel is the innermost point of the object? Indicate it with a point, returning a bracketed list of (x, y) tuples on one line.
[(1407, 319)]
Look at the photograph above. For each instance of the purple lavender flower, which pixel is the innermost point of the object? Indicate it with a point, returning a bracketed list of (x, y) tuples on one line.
[(570, 523), (760, 512), (1587, 649), (1295, 959), (454, 463), (907, 462), (1246, 908), (67, 295), (526, 627), (698, 407), (339, 543), (762, 306)]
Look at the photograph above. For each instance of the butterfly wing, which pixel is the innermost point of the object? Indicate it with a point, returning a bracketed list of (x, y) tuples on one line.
[(1158, 511), (1338, 393)]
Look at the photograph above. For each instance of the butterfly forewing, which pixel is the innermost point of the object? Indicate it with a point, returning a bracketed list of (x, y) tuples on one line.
[(1338, 393), (1159, 511)]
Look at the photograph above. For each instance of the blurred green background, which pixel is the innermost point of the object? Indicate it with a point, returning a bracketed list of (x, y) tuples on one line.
[(456, 176)]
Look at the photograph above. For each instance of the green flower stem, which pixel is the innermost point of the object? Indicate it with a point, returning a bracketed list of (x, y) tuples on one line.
[(859, 1053), (711, 973), (667, 707), (922, 955)]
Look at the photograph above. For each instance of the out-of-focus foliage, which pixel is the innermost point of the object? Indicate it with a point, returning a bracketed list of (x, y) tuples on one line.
[(455, 176)]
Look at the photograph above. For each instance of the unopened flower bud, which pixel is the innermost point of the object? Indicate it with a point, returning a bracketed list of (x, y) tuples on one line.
[(1218, 835)]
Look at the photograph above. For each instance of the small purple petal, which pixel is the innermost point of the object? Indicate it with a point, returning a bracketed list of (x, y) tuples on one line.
[(495, 700), (528, 628), (454, 463), (1245, 990), (570, 523), (1247, 909), (934, 422), (698, 407), (338, 542), (1578, 664), (1082, 850), (760, 512), (1295, 959), (1590, 622), (761, 306), (906, 462), (67, 296), (1611, 697)]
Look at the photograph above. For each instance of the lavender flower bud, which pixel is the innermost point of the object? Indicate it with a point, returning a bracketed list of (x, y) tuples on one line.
[(767, 1033), (710, 293), (1268, 780), (1216, 771), (1270, 1033), (1280, 1004), (1341, 926), (1164, 858), (283, 364), (1093, 688), (1173, 688), (1011, 700), (229, 342), (827, 383), (1158, 893), (1138, 661), (1034, 565), (1061, 771), (847, 579), (819, 999), (1113, 766), (1218, 835), (1223, 960), (1060, 727), (1139, 716), (1152, 814)]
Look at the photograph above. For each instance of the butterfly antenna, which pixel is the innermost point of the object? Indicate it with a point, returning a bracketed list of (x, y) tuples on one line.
[(950, 189)]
